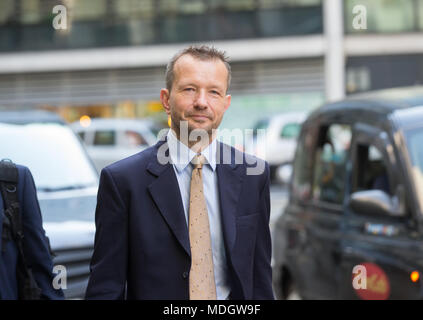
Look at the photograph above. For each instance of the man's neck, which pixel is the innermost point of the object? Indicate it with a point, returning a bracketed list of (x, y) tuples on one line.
[(196, 146)]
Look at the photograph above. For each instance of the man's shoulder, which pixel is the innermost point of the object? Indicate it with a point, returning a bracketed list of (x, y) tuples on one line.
[(240, 157), (138, 161)]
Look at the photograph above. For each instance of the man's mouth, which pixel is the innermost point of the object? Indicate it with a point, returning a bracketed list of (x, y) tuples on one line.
[(199, 117)]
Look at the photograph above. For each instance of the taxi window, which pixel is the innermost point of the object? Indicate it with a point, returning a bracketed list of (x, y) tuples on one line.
[(303, 163), (330, 163), (370, 171)]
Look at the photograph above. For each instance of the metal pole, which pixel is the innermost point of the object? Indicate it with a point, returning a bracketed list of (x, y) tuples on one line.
[(334, 55)]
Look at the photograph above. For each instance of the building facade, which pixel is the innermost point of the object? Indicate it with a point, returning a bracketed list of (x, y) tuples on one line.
[(286, 55)]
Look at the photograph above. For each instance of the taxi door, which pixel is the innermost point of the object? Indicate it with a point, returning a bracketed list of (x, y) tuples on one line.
[(379, 250), (325, 212)]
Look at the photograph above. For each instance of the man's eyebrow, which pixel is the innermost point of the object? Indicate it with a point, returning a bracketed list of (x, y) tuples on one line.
[(186, 84), (215, 86)]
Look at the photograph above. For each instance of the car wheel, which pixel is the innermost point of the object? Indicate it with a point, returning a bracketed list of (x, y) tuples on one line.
[(290, 289), (293, 293)]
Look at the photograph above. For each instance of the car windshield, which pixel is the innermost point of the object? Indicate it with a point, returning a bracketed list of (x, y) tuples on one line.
[(51, 151), (414, 139)]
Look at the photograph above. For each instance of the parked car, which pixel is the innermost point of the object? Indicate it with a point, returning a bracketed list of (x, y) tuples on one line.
[(66, 183), (277, 145), (355, 209), (110, 140)]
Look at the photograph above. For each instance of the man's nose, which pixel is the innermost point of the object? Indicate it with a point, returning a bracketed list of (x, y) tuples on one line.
[(201, 99)]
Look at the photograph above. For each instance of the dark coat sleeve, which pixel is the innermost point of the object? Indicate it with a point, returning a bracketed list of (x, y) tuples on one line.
[(36, 246), (109, 261), (262, 262)]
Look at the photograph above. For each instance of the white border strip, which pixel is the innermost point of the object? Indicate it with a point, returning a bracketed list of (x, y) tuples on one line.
[(132, 57)]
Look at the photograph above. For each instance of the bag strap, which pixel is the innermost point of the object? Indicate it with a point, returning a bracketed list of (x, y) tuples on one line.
[(9, 177), (8, 184)]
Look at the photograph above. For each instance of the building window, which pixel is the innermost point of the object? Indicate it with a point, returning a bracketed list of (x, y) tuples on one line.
[(27, 24), (358, 79), (386, 16)]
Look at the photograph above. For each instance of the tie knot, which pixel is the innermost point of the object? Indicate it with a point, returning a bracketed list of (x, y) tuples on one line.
[(198, 161)]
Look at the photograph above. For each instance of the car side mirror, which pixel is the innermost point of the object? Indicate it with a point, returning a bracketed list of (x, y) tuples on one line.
[(376, 202), (284, 174)]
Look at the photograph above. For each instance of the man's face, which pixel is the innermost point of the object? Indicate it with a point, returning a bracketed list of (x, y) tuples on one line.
[(198, 94)]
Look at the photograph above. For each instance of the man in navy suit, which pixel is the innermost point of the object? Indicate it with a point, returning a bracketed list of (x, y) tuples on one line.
[(35, 244), (144, 247)]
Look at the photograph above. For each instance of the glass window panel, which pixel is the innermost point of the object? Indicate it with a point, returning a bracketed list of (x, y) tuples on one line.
[(30, 11), (183, 6), (168, 6), (133, 139), (105, 23), (269, 4), (88, 10), (420, 14), (240, 5), (330, 161), (6, 10), (303, 164), (371, 171), (290, 130), (104, 138), (383, 15), (193, 7), (134, 8)]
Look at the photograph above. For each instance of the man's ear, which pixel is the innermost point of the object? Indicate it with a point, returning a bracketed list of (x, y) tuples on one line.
[(227, 101), (164, 98)]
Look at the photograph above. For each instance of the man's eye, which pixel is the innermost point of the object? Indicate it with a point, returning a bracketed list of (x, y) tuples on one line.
[(215, 92), (189, 89)]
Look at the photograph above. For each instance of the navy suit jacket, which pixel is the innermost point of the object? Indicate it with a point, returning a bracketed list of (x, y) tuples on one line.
[(142, 246), (36, 248)]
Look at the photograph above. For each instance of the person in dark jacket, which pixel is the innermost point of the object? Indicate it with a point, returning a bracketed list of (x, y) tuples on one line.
[(35, 244), (194, 227)]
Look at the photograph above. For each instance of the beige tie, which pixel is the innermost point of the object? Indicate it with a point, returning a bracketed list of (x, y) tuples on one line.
[(201, 276)]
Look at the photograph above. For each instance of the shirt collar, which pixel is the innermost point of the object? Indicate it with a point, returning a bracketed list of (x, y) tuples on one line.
[(181, 155)]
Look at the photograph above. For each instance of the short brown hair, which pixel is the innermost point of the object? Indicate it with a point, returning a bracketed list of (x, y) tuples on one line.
[(199, 52)]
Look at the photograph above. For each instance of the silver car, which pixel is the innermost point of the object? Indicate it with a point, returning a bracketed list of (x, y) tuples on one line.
[(66, 182)]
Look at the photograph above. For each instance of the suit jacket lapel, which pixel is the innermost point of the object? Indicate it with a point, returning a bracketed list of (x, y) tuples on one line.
[(167, 196), (229, 178), (170, 203)]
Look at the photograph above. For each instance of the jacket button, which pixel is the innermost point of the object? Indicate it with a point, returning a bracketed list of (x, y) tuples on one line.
[(185, 274)]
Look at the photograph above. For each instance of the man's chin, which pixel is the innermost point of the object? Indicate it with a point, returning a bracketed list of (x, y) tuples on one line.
[(198, 127)]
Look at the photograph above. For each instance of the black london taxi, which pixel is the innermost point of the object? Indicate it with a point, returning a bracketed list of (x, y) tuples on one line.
[(353, 225)]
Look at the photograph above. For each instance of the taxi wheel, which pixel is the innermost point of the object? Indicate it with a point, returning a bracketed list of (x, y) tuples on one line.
[(290, 289), (293, 294)]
